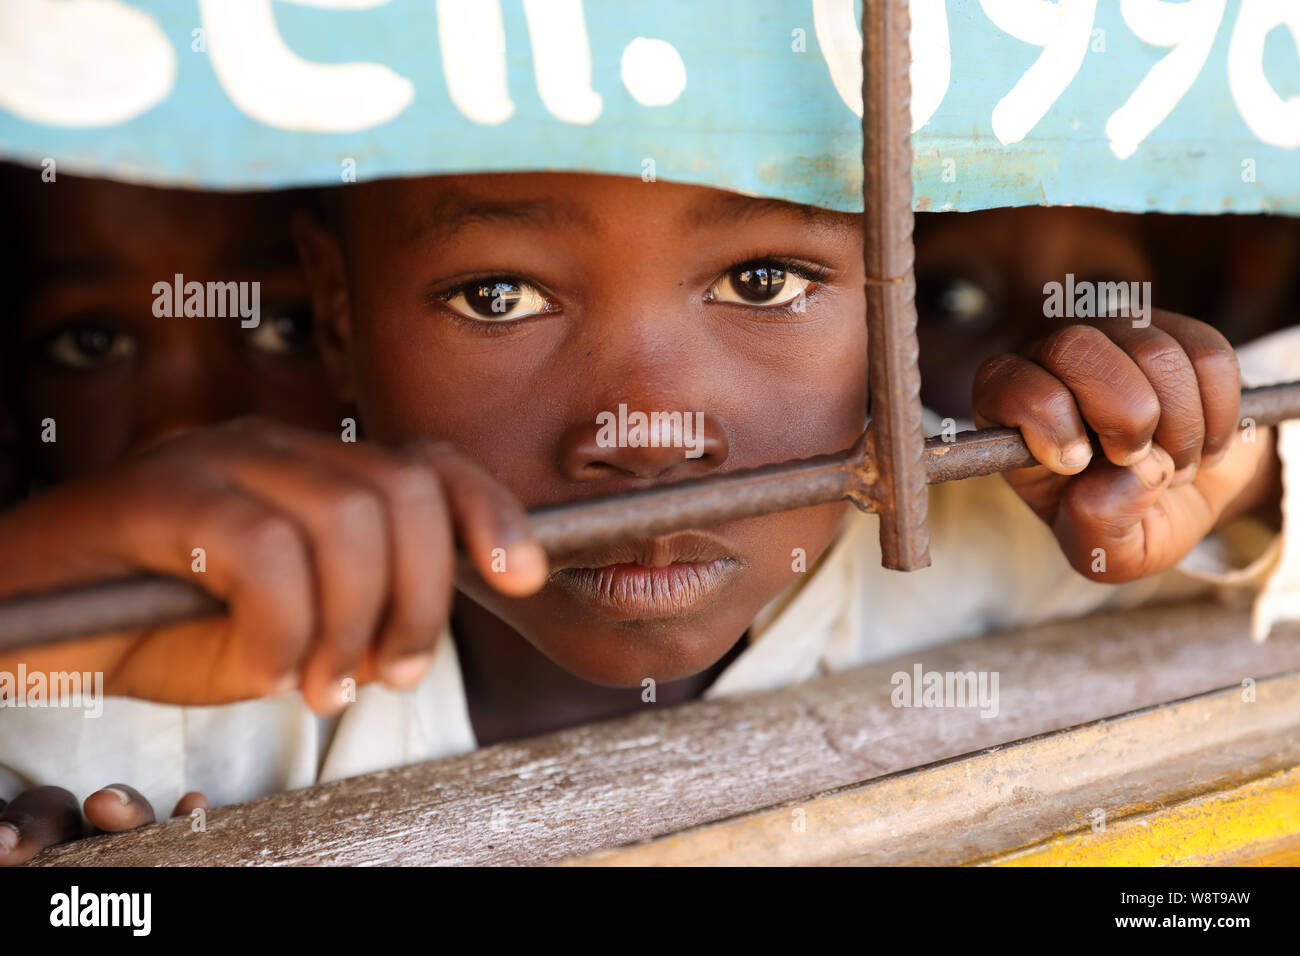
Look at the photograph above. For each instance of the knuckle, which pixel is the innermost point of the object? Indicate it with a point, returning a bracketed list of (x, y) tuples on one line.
[(430, 448), (1048, 405), (991, 369), (1217, 366), (1073, 345), (1142, 417), (1208, 338), (411, 483), (1160, 357), (356, 511), (992, 379), (269, 542), (1132, 419), (1148, 414)]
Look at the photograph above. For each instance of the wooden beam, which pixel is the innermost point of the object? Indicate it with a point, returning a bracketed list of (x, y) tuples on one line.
[(668, 769), (973, 808)]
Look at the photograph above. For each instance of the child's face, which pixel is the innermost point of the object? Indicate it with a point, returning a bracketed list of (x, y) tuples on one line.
[(112, 374), (615, 292), (980, 278)]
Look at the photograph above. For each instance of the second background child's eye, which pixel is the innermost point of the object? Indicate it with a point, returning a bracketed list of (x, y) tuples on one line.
[(764, 283), (284, 331), (86, 347), (497, 299), (953, 300)]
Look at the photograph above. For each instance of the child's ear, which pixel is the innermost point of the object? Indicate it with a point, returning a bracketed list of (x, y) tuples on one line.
[(322, 259)]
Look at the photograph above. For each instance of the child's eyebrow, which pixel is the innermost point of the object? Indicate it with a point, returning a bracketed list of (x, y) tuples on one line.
[(729, 209), (451, 214)]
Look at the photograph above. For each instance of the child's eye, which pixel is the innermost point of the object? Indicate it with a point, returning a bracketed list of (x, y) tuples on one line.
[(497, 299), (284, 332), (86, 347), (763, 283), (953, 300)]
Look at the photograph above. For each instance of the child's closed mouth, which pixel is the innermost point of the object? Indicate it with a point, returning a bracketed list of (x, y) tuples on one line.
[(653, 577)]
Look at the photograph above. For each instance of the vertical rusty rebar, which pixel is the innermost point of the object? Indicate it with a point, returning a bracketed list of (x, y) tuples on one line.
[(897, 438)]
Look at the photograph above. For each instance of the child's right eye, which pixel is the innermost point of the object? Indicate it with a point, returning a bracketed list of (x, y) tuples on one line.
[(85, 347), (497, 299)]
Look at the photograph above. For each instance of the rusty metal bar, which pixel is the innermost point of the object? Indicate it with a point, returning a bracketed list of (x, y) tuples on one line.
[(153, 601), (895, 378), (703, 502), (994, 450)]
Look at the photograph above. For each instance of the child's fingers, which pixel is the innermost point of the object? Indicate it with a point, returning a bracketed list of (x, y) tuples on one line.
[(1169, 370), (1102, 515), (36, 819), (258, 561), (1111, 391), (194, 800), (330, 506), (491, 523), (344, 524), (1014, 392), (418, 564), (1218, 378), (118, 807)]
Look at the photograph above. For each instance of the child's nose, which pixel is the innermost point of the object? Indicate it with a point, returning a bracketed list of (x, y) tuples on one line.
[(644, 444)]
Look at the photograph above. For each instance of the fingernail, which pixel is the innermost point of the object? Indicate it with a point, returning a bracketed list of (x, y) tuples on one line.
[(1154, 468), (1184, 476), (121, 795), (1076, 454), (1138, 455), (285, 684), (527, 559), (407, 671), (9, 837)]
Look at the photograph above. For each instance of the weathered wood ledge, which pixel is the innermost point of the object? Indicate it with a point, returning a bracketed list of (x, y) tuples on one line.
[(667, 770)]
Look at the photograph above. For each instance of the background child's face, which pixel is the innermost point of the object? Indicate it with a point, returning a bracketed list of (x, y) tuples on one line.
[(980, 277), (113, 375), (610, 292)]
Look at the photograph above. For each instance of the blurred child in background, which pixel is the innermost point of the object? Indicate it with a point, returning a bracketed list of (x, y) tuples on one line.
[(92, 374)]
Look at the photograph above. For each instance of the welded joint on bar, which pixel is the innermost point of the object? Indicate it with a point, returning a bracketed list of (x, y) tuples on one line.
[(866, 490)]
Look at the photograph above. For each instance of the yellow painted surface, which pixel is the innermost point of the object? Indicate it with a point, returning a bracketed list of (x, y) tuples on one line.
[(1257, 823)]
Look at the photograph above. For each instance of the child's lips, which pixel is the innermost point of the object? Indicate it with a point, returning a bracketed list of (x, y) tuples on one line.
[(637, 591), (655, 577)]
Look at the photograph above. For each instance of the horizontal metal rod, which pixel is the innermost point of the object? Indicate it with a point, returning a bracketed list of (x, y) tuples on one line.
[(154, 601)]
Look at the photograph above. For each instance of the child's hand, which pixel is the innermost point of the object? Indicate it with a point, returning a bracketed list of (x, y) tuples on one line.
[(45, 816), (1163, 401), (337, 560)]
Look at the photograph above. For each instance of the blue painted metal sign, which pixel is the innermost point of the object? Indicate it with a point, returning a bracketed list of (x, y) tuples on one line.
[(1188, 106)]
